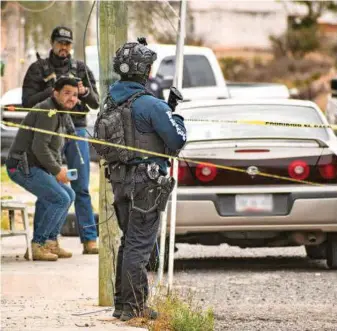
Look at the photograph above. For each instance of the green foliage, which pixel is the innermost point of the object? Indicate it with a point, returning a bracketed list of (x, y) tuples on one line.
[(302, 41), (4, 220), (185, 319), (232, 66), (286, 70), (179, 315), (257, 61), (296, 42), (4, 175), (41, 17)]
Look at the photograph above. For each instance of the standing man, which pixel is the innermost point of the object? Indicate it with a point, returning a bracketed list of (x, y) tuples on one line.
[(140, 186), (35, 163), (37, 86)]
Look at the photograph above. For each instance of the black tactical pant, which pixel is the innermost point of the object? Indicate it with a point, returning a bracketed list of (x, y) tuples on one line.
[(137, 242)]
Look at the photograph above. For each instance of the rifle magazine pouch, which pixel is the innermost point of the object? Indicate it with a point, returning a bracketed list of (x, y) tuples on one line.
[(117, 173)]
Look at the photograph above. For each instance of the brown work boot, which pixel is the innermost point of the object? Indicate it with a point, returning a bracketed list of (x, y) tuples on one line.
[(54, 247), (40, 253), (90, 247)]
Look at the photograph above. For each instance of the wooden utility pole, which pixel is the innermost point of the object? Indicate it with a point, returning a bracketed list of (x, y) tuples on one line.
[(78, 24), (112, 34)]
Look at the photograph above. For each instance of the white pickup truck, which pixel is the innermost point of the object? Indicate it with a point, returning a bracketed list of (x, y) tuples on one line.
[(202, 76)]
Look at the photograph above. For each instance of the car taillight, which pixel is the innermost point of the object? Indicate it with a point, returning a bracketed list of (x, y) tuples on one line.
[(181, 173), (328, 171), (299, 170), (182, 170), (205, 172)]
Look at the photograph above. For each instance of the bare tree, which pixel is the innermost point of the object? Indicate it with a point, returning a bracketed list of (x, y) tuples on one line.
[(315, 10), (303, 34), (42, 16)]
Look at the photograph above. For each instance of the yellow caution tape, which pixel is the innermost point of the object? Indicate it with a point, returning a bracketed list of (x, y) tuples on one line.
[(50, 112), (249, 122), (130, 148), (266, 123)]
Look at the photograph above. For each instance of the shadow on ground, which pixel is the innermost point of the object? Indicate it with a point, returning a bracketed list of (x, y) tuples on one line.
[(268, 263)]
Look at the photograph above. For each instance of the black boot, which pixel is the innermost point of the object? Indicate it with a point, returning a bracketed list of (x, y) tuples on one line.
[(146, 313), (118, 310)]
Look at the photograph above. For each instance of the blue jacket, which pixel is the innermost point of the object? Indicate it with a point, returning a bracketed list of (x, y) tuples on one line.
[(151, 114)]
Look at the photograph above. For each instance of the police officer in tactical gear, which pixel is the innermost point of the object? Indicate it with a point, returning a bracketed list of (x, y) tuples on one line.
[(141, 188), (37, 86)]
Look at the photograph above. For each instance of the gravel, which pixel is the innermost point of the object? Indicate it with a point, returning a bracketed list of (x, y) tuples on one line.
[(274, 289), (259, 289)]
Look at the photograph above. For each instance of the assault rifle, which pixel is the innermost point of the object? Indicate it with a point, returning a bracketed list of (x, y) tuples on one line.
[(49, 75)]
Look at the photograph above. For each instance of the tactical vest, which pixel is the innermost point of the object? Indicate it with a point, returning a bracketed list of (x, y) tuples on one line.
[(49, 70), (114, 124)]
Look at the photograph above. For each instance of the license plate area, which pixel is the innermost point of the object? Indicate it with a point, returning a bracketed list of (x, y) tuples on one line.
[(254, 203)]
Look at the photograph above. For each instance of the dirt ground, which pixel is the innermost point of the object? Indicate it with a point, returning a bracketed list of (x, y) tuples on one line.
[(260, 289), (263, 289), (45, 296)]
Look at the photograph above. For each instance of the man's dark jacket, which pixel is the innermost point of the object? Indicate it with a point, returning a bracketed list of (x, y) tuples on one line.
[(35, 89), (43, 150), (151, 114)]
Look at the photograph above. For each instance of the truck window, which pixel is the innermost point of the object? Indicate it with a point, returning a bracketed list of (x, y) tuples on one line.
[(167, 68), (197, 70)]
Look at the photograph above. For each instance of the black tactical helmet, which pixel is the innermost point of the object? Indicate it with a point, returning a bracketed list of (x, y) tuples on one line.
[(134, 60)]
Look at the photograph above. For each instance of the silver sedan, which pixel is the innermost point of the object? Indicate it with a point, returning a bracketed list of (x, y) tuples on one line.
[(254, 185)]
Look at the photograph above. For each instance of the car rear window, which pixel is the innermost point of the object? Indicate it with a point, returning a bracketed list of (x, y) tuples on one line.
[(272, 113), (197, 70)]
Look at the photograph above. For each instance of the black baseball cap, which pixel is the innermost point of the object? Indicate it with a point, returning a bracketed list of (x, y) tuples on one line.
[(62, 33)]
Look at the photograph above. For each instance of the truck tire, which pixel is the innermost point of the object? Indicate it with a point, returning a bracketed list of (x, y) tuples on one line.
[(316, 252), (331, 251)]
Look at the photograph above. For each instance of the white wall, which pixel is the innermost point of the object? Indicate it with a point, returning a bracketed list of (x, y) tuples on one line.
[(238, 24)]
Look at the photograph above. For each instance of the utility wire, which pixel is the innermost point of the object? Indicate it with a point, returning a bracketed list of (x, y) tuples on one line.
[(84, 39)]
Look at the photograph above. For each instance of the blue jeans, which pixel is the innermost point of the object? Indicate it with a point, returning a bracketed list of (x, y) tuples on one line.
[(52, 204), (83, 208)]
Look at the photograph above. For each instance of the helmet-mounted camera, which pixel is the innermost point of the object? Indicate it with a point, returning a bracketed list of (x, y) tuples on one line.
[(134, 59)]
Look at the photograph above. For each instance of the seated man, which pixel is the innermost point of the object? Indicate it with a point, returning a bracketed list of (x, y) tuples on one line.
[(35, 164)]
